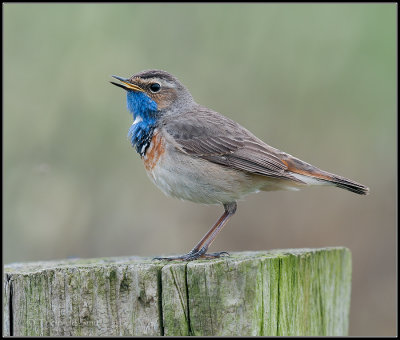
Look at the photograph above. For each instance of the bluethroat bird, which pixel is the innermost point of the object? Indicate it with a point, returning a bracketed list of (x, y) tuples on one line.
[(194, 153)]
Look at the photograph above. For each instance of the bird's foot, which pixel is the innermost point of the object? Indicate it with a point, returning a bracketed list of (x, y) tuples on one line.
[(215, 255), (194, 255)]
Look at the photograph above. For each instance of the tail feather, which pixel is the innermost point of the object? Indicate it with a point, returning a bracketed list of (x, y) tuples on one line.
[(350, 185), (312, 175)]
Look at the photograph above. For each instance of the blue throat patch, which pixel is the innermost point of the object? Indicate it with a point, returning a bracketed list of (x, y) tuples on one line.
[(144, 112)]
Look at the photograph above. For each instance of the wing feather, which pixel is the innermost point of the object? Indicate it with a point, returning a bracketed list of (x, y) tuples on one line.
[(207, 134)]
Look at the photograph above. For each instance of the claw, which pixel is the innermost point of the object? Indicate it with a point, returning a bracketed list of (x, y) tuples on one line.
[(216, 255), (193, 256)]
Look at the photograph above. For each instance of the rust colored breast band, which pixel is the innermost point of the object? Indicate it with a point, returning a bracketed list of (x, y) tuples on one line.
[(154, 152)]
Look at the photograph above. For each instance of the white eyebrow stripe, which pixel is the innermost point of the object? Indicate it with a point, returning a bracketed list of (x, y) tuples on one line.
[(162, 82)]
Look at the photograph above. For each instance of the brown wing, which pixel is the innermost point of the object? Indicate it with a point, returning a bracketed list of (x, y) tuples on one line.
[(206, 134)]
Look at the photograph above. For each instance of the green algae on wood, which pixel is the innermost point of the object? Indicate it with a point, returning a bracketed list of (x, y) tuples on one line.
[(314, 295), (278, 292), (85, 299), (176, 317)]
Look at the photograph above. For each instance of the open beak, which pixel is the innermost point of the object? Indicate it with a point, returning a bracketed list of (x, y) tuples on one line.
[(126, 85)]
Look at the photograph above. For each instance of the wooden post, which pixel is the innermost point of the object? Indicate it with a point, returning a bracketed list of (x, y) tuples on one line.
[(278, 292)]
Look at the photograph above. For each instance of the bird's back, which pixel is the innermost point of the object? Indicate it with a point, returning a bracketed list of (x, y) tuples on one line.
[(208, 135)]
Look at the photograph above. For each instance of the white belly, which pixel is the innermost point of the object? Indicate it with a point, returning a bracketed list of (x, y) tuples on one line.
[(197, 180)]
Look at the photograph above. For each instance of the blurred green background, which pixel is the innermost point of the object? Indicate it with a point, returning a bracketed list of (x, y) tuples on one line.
[(315, 80)]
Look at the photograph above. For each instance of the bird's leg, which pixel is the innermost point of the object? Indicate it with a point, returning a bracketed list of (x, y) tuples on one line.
[(201, 248)]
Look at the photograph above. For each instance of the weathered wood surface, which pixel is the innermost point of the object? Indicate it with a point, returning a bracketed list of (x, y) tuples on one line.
[(278, 292)]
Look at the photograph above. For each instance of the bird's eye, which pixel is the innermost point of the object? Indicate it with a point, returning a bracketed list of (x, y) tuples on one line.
[(155, 87)]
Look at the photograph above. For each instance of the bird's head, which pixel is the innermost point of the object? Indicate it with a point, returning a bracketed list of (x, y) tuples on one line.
[(155, 91)]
